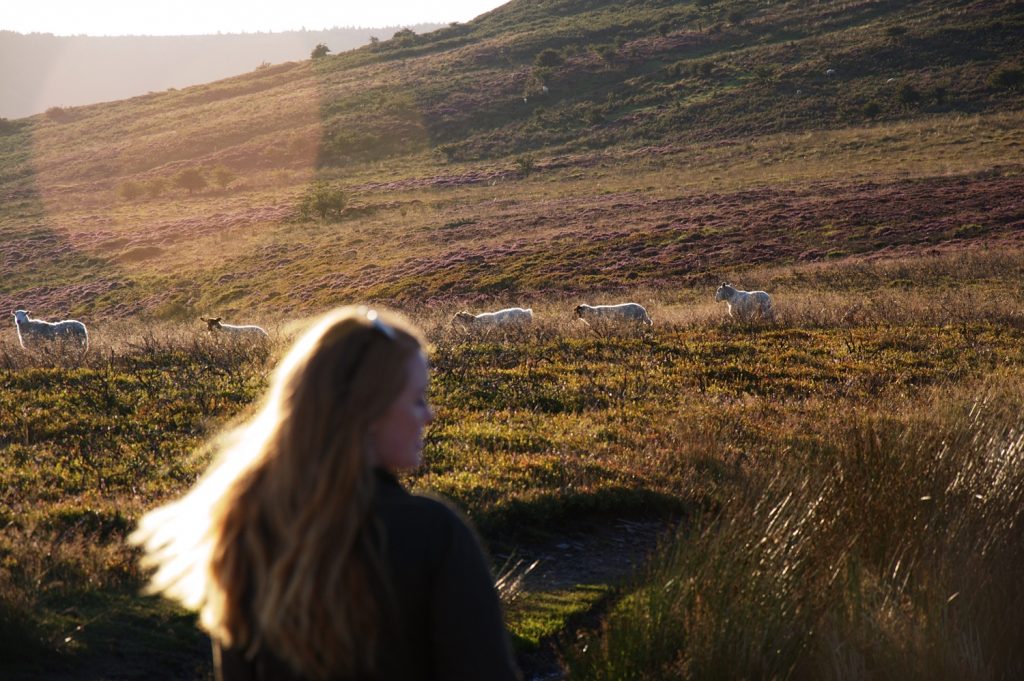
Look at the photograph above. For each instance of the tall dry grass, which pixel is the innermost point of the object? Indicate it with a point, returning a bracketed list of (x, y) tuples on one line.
[(825, 410), (898, 558)]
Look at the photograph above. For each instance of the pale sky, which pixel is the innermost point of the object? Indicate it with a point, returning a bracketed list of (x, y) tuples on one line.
[(197, 17)]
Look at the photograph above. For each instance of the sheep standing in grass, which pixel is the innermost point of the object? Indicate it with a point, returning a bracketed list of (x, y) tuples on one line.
[(251, 331), (623, 312), (32, 330), (746, 305), (512, 316)]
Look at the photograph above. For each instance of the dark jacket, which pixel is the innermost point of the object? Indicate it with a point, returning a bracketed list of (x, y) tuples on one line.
[(447, 623)]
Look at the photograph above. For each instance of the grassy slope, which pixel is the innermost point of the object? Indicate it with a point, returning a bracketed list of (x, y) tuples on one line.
[(673, 147), (665, 131), (536, 433)]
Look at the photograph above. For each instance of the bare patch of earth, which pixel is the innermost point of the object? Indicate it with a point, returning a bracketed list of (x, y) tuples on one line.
[(610, 553), (604, 554)]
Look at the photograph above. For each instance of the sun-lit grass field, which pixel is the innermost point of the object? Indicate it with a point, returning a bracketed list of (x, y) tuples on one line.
[(562, 426)]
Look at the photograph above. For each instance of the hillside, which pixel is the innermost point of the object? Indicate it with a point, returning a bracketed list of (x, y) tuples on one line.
[(39, 70), (672, 144), (846, 480)]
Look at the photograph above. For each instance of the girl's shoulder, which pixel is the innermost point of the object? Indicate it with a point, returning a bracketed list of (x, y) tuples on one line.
[(417, 507)]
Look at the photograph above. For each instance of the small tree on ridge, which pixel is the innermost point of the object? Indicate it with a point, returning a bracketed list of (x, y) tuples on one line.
[(191, 179)]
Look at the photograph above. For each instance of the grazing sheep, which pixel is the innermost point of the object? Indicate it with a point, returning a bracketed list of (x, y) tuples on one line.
[(830, 73), (623, 312), (746, 305), (30, 330), (512, 316), (250, 331)]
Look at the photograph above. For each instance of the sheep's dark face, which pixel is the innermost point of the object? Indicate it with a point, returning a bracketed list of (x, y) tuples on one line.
[(211, 324), (580, 309), (463, 318)]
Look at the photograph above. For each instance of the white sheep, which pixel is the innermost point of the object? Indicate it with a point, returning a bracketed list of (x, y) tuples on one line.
[(746, 305), (30, 330), (251, 331), (623, 312), (511, 316)]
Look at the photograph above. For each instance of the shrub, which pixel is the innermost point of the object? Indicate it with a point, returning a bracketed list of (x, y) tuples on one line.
[(765, 74), (450, 151), (909, 96), (525, 165), (872, 109), (593, 116), (542, 76), (319, 51), (129, 190), (606, 52), (323, 201), (1007, 77), (191, 179), (896, 32), (58, 113), (222, 176), (548, 58)]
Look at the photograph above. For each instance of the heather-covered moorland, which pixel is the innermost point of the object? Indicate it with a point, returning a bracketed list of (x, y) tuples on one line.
[(835, 495)]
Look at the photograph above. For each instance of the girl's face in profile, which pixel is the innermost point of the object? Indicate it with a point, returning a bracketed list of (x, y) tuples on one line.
[(397, 436)]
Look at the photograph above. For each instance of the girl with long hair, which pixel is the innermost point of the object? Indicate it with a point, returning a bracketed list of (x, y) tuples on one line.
[(301, 551)]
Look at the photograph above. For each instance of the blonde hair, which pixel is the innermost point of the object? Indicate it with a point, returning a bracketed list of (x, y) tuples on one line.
[(275, 545)]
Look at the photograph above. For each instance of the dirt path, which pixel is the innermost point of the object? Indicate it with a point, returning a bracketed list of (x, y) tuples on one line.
[(608, 554), (605, 555)]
